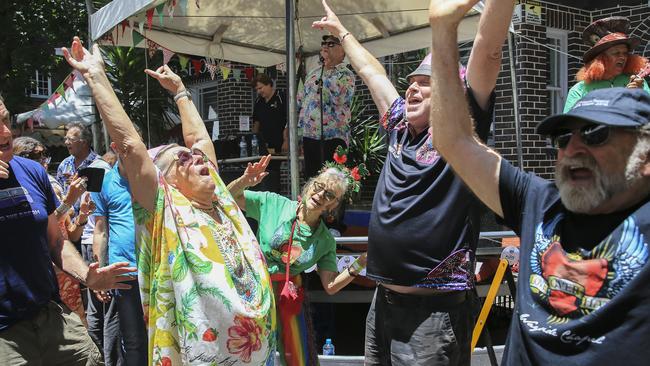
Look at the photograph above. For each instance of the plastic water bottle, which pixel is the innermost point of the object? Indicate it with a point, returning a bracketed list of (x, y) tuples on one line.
[(243, 147), (328, 348), (255, 148)]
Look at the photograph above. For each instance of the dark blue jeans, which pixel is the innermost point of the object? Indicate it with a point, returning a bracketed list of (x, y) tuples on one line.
[(414, 330), (132, 327)]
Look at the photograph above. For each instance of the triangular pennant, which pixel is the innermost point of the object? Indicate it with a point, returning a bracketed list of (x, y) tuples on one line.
[(182, 6), (160, 9), (152, 47), (149, 18), (170, 8), (183, 61), (68, 82), (261, 70), (141, 27), (45, 106), (212, 69), (196, 64), (225, 71), (167, 55), (137, 37), (249, 71), (197, 4), (61, 91), (237, 74), (125, 23)]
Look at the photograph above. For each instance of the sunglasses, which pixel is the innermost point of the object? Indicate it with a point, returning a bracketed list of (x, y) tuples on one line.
[(184, 157), (320, 187), (591, 135), (39, 156), (329, 44)]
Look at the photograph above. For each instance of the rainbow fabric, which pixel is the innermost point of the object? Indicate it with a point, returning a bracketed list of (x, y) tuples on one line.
[(294, 332)]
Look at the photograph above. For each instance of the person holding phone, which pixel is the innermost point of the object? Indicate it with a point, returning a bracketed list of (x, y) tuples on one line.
[(78, 139), (35, 328)]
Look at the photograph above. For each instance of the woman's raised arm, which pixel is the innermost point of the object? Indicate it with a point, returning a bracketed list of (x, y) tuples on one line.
[(133, 153)]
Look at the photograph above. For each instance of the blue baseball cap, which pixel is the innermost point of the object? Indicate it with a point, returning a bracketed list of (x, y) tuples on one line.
[(618, 107)]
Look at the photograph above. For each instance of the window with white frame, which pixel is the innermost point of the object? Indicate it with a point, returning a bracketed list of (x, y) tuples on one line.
[(41, 85), (558, 69)]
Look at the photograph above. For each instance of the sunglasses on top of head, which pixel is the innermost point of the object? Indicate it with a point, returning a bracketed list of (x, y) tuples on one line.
[(591, 135), (329, 44)]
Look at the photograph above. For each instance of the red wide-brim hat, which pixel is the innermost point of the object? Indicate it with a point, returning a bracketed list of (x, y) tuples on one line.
[(605, 33)]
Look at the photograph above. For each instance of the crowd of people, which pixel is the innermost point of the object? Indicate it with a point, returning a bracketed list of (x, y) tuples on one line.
[(160, 265)]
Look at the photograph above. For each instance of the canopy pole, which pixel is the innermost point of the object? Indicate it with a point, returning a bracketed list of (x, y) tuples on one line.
[(291, 89), (94, 128), (515, 100)]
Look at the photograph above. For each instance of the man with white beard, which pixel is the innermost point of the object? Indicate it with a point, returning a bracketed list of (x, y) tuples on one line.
[(582, 296)]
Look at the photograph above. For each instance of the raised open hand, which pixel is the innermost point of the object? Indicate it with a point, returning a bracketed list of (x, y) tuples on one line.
[(254, 173), (109, 277), (167, 79), (87, 63), (329, 22), (448, 12)]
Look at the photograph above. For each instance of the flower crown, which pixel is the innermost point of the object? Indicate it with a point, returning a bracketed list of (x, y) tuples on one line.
[(353, 175)]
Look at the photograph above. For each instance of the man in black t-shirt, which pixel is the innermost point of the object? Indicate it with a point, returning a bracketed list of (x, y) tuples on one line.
[(582, 296), (270, 121), (424, 224)]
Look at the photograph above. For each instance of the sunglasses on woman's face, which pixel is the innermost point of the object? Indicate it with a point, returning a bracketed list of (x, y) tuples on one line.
[(184, 157), (320, 187), (591, 135)]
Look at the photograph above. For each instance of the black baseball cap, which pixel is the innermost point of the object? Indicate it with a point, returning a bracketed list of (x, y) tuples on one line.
[(331, 38), (617, 107)]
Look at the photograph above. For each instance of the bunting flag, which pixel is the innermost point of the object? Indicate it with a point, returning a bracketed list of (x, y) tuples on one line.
[(171, 4), (109, 38), (261, 70), (125, 23), (212, 69), (237, 74), (183, 61), (167, 55), (69, 81), (141, 27), (249, 71), (281, 67), (225, 71), (197, 4), (152, 47), (196, 64), (160, 9), (137, 37), (182, 6), (61, 91), (149, 18)]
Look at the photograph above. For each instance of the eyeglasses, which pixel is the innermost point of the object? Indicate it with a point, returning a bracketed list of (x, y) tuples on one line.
[(591, 135), (329, 44), (320, 187), (70, 140), (39, 156)]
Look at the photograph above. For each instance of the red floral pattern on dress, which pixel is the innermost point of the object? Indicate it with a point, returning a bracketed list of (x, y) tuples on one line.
[(244, 338)]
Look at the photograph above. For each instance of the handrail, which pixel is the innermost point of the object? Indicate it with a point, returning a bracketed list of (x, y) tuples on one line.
[(482, 235)]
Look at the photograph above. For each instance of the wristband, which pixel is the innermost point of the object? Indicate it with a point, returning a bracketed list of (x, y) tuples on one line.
[(350, 272), (182, 94), (63, 208), (357, 267), (81, 223), (345, 35)]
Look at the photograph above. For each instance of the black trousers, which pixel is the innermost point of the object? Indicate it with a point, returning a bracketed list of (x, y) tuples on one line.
[(314, 160)]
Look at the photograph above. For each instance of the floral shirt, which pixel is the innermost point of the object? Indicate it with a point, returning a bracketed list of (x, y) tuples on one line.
[(205, 290), (338, 89), (67, 169)]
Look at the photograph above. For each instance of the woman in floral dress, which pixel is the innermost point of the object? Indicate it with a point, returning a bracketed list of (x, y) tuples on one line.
[(205, 289)]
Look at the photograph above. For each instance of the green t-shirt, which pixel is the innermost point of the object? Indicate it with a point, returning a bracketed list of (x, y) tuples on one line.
[(275, 215), (581, 89)]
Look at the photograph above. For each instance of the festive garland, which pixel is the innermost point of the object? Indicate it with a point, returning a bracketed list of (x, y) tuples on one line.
[(353, 175)]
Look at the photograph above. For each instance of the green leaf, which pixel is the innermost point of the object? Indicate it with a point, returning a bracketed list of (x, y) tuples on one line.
[(179, 271), (197, 265)]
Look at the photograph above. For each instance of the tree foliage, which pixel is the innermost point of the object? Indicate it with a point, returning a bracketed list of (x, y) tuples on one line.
[(31, 30)]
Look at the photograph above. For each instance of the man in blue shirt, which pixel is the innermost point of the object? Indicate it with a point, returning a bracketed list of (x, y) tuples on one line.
[(114, 242), (35, 327)]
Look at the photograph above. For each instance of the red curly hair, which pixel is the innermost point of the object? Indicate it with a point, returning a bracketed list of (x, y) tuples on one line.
[(601, 69)]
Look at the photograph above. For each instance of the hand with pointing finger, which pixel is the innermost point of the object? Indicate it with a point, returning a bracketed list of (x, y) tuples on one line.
[(167, 79)]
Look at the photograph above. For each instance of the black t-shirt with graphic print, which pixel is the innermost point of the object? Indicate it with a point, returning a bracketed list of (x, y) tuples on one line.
[(424, 224), (586, 302)]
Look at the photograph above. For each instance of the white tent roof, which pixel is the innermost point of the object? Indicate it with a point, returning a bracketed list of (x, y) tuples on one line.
[(253, 32)]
